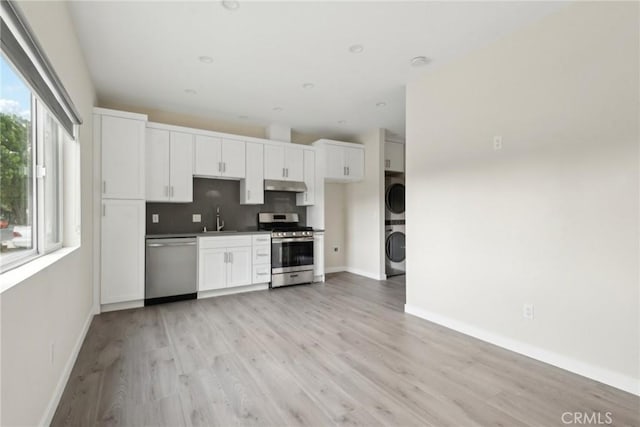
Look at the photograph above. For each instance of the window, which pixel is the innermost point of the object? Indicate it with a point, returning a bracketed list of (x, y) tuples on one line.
[(16, 168), (31, 181), (39, 154)]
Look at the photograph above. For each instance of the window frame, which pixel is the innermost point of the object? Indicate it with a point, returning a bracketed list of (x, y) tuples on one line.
[(38, 205)]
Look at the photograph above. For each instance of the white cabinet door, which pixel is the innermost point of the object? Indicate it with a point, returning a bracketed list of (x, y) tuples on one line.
[(273, 162), (308, 197), (157, 165), (122, 148), (122, 251), (334, 162), (252, 187), (181, 167), (239, 266), (207, 160), (212, 268), (261, 273), (393, 157), (354, 163), (293, 164), (233, 158), (318, 256)]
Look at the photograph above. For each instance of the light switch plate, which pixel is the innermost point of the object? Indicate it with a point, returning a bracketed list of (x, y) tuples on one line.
[(196, 218), (155, 218)]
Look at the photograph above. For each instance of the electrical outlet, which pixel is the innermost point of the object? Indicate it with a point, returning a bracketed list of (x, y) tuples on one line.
[(527, 311), (196, 218), (336, 249), (497, 142), (155, 218)]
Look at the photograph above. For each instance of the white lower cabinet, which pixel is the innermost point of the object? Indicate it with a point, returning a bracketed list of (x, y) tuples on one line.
[(261, 258), (318, 256), (239, 266), (122, 251), (225, 262)]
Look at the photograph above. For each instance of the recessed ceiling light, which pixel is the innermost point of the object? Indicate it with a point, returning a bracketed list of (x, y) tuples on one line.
[(243, 117), (381, 104), (342, 122), (308, 86), (277, 108), (206, 59), (190, 91), (230, 4), (419, 61), (356, 48)]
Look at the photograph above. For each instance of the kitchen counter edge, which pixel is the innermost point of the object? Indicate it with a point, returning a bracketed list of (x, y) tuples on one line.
[(203, 234)]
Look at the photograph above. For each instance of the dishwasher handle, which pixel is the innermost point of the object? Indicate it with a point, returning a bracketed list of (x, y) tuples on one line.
[(158, 245)]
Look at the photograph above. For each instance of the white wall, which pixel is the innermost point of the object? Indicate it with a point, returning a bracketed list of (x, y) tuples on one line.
[(364, 209), (552, 218), (334, 236), (53, 306)]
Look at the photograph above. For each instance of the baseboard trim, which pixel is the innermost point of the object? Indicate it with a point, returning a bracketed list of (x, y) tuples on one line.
[(328, 270), (231, 291), (364, 273), (605, 376), (66, 373), (126, 305)]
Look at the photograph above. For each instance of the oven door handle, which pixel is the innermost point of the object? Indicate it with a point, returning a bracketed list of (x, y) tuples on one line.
[(292, 239)]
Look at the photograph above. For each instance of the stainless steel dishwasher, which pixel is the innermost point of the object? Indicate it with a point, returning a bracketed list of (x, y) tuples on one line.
[(171, 269)]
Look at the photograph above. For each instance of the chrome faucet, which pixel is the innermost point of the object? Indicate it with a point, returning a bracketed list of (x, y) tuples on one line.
[(219, 222)]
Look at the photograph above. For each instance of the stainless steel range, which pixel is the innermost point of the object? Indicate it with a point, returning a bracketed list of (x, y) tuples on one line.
[(291, 248)]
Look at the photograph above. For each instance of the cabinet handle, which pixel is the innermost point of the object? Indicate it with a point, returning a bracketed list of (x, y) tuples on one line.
[(263, 254), (287, 169), (104, 187), (225, 257), (219, 166), (344, 170), (348, 171), (231, 257), (262, 274), (283, 175), (104, 210)]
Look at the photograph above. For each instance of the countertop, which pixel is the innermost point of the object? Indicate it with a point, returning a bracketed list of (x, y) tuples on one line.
[(207, 234)]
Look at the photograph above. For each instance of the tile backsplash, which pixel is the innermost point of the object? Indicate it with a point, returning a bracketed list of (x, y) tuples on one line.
[(208, 194)]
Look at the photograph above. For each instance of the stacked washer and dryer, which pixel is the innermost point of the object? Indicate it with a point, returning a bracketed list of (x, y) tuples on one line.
[(394, 225)]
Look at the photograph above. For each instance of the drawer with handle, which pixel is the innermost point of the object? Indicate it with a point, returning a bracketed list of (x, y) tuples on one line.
[(262, 254), (262, 273)]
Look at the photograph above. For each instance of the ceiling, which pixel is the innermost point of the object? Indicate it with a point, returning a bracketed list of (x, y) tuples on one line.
[(146, 54)]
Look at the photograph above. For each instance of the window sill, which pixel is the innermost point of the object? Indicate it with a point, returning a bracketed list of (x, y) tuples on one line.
[(14, 277)]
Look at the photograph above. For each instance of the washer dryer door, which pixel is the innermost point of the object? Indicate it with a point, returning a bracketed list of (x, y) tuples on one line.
[(395, 247), (394, 200)]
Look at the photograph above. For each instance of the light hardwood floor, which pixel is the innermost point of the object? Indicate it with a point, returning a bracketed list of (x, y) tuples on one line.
[(339, 353)]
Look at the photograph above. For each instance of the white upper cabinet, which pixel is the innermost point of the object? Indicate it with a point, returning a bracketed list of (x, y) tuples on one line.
[(294, 163), (181, 167), (354, 162), (343, 161), (283, 162), (393, 157), (122, 143), (219, 157), (169, 166), (252, 187), (308, 197)]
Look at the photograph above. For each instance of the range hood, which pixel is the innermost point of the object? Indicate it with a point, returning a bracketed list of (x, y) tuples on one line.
[(278, 185)]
